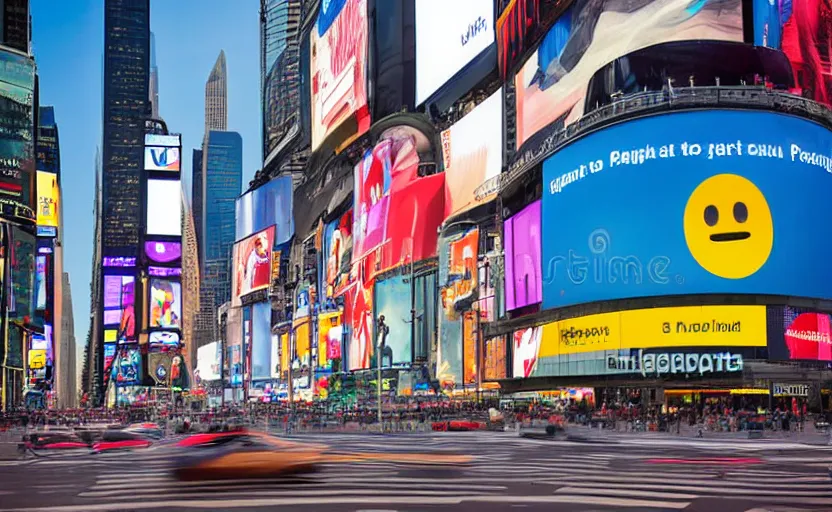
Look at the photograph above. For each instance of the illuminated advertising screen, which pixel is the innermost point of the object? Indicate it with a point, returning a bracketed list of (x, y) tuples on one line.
[(393, 207), (796, 334), (274, 369), (109, 355), (164, 271), (338, 253), (521, 232), (268, 205), (392, 301), (253, 263), (494, 358), (164, 338), (208, 361), (162, 159), (153, 139), (39, 342), (158, 366), (472, 150), (261, 330), (40, 282), (729, 220), (119, 261), (798, 28), (119, 307), (127, 368), (449, 35), (449, 352), (163, 252), (338, 67), (165, 303), (462, 271), (17, 152), (647, 342), (519, 27), (37, 359), (358, 312), (330, 331), (552, 84), (48, 199), (164, 208)]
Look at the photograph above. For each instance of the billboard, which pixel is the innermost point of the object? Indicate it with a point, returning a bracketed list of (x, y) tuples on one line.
[(338, 253), (268, 205), (162, 159), (799, 335), (392, 301), (598, 344), (472, 150), (338, 68), (171, 141), (167, 339), (253, 263), (461, 286), (552, 84), (17, 125), (449, 35), (358, 313), (737, 190), (165, 303), (119, 307), (208, 361), (394, 208), (163, 252), (329, 338), (48, 199), (164, 208), (40, 283), (519, 27), (801, 29), (524, 283), (494, 358), (127, 370), (261, 329), (158, 366)]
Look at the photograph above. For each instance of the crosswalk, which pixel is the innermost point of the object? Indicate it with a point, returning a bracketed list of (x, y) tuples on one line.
[(504, 471)]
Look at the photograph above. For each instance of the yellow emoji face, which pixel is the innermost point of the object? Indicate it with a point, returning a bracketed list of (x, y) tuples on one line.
[(728, 226)]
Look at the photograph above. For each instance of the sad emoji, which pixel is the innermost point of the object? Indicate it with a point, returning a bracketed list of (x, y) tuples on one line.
[(728, 226)]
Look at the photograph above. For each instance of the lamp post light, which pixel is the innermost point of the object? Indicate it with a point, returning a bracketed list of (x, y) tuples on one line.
[(383, 329)]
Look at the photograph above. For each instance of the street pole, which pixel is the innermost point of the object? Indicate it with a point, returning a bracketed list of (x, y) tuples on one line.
[(382, 332)]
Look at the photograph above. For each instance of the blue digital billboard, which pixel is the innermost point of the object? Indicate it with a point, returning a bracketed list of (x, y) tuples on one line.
[(689, 203), (270, 204)]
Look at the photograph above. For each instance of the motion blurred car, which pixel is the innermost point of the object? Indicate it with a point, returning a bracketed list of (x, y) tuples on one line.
[(52, 440), (120, 440), (149, 430), (241, 454)]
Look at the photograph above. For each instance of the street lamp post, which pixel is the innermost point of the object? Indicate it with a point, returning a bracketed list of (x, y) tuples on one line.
[(382, 335)]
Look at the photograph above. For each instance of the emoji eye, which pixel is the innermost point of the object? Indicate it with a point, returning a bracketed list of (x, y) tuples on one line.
[(740, 212), (711, 215)]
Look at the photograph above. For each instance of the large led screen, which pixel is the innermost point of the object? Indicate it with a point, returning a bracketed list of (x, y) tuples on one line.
[(208, 361), (449, 35), (153, 139), (449, 353), (17, 154), (48, 199), (358, 312), (167, 339), (338, 253), (261, 320), (165, 303), (164, 208), (393, 207), (802, 29), (393, 302), (253, 263), (40, 283), (163, 252), (127, 370), (737, 191), (552, 84), (268, 205), (472, 150), (162, 159), (119, 307), (338, 67), (524, 284), (461, 287)]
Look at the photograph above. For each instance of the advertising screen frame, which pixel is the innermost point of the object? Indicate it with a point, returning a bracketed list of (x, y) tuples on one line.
[(161, 224), (264, 263)]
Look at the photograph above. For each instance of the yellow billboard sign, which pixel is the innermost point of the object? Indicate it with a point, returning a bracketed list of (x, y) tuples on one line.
[(48, 199), (37, 359), (693, 326)]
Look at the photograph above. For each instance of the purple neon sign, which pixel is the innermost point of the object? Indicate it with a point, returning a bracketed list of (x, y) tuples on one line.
[(523, 269), (164, 271), (119, 261), (163, 252)]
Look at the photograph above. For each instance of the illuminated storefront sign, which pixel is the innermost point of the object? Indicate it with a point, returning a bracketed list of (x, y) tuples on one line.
[(790, 390), (164, 271), (119, 261), (664, 363)]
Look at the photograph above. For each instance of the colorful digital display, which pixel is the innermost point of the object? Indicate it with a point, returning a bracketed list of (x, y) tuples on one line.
[(552, 84), (109, 355), (329, 336), (727, 218), (164, 271), (165, 338), (472, 151), (802, 336), (449, 35), (165, 303), (162, 158), (119, 307), (524, 283), (338, 68), (119, 261), (253, 263), (40, 282), (462, 272), (152, 139), (158, 366), (392, 301), (261, 329), (208, 361), (127, 369), (164, 208), (338, 254), (267, 205), (162, 252), (37, 359), (48, 199)]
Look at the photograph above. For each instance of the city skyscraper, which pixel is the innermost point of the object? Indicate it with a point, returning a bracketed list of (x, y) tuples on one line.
[(221, 184), (216, 97), (190, 282), (196, 198), (153, 86), (16, 29), (126, 106), (92, 369), (67, 372)]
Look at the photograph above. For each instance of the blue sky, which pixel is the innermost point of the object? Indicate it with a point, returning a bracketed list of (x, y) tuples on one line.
[(68, 41)]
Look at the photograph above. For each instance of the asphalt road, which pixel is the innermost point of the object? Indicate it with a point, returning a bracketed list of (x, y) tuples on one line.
[(505, 473)]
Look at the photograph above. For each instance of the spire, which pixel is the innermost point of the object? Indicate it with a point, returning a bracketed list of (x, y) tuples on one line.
[(216, 97)]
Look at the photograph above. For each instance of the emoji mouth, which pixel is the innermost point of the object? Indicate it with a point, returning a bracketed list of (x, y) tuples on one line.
[(730, 237)]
